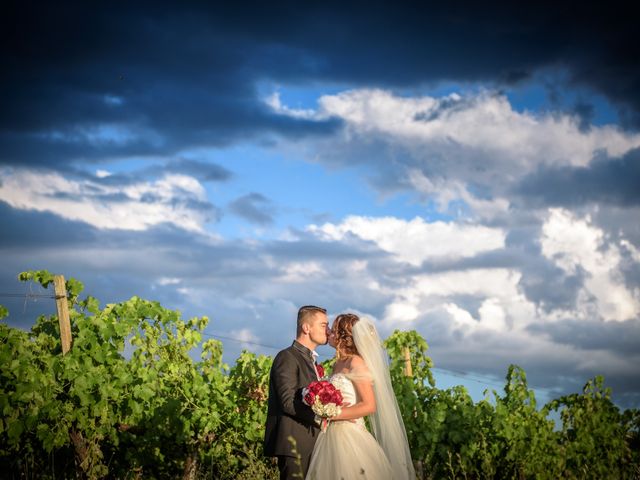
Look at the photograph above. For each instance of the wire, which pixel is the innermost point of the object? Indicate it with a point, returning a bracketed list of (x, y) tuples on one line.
[(239, 340), (455, 373), (467, 376), (28, 295)]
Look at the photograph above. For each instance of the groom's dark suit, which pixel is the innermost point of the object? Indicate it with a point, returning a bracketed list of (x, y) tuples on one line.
[(292, 369)]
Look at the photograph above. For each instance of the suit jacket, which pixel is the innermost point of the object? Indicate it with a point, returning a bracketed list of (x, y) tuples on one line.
[(292, 370)]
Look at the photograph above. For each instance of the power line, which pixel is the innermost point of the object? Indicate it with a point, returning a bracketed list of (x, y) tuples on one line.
[(239, 340), (467, 376), (454, 373), (28, 295)]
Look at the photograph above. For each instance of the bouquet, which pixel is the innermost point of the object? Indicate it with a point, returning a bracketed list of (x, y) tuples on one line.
[(324, 399)]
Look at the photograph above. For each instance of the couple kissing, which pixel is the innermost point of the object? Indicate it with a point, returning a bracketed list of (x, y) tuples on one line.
[(335, 445)]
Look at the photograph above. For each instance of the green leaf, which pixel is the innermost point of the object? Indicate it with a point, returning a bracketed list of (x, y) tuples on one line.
[(14, 430)]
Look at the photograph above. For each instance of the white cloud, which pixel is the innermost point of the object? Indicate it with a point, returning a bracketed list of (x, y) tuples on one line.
[(300, 271), (461, 317), (246, 338), (633, 251), (275, 103), (462, 152), (454, 149), (503, 307), (484, 123), (574, 243), (447, 192), (493, 314), (137, 206), (416, 240)]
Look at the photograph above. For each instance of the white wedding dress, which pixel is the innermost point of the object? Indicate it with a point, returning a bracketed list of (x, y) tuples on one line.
[(346, 450)]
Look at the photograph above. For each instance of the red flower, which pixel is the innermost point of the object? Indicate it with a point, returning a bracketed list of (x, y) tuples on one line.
[(316, 387), (309, 398), (320, 370), (324, 390), (326, 396)]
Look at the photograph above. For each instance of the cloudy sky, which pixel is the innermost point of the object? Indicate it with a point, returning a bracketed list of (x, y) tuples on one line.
[(471, 172)]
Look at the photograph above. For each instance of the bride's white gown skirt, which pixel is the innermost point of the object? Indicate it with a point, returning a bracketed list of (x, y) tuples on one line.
[(348, 451)]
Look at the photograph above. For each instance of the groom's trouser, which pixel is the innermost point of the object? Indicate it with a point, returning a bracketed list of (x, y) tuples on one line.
[(288, 467)]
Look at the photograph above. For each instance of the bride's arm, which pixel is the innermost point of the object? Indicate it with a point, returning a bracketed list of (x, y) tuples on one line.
[(364, 388)]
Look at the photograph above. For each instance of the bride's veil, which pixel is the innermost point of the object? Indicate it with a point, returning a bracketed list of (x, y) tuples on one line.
[(386, 422)]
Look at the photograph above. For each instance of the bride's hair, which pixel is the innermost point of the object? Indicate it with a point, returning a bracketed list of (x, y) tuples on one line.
[(343, 326)]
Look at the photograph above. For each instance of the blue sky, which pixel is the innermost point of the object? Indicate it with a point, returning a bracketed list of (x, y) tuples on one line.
[(471, 174)]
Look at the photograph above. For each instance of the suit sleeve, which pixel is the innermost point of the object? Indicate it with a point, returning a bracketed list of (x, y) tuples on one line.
[(284, 375)]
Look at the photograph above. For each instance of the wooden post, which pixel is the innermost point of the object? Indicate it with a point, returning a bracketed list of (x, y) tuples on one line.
[(63, 312), (408, 371)]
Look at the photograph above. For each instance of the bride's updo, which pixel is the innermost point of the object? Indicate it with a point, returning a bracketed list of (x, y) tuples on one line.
[(343, 331)]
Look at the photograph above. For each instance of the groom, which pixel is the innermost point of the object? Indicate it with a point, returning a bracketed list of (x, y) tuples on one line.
[(293, 369)]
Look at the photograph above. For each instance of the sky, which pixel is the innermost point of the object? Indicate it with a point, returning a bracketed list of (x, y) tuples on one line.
[(469, 171)]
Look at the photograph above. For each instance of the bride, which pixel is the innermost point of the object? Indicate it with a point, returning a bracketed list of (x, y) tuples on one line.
[(346, 450)]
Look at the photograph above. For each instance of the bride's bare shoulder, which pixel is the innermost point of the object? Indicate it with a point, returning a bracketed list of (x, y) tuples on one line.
[(358, 367), (356, 362)]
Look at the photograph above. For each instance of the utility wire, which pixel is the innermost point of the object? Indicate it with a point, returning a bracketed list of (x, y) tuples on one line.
[(239, 340), (454, 373), (28, 295)]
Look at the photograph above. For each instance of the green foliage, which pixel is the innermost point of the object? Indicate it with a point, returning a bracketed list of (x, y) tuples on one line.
[(596, 436), (507, 436), (129, 400)]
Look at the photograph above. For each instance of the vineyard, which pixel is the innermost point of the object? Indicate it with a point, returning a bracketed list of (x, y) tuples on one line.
[(129, 401)]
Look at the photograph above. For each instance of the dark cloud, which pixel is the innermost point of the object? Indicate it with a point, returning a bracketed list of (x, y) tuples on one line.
[(166, 82), (30, 229), (585, 113), (174, 75), (443, 106), (253, 207), (203, 171), (621, 338), (85, 83), (246, 285), (469, 354), (605, 181), (619, 222)]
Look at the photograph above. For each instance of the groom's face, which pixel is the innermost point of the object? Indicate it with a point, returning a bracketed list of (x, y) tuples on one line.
[(318, 329)]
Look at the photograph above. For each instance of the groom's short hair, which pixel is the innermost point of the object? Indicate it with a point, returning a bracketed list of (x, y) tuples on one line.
[(306, 313)]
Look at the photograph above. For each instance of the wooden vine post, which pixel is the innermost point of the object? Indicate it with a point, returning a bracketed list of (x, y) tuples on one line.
[(408, 371), (81, 449), (63, 312)]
